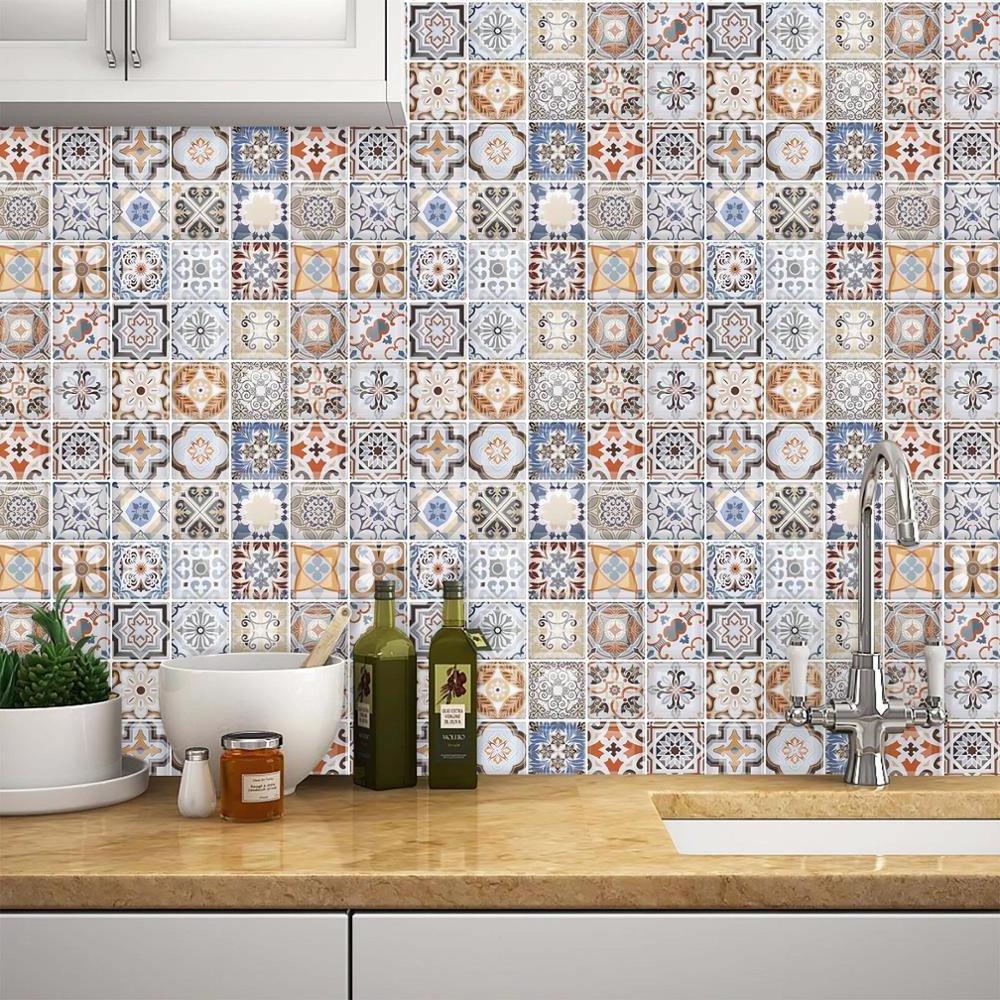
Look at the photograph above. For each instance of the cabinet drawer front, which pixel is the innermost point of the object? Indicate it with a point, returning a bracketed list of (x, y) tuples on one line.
[(224, 956), (694, 956)]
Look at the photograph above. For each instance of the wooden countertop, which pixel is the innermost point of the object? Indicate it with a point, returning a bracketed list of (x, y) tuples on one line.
[(591, 842)]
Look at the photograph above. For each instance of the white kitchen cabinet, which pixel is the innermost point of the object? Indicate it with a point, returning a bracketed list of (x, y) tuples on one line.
[(69, 41), (675, 956), (193, 62), (499, 956), (173, 956)]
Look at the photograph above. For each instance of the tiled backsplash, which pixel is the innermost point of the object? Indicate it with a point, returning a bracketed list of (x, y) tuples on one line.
[(607, 328)]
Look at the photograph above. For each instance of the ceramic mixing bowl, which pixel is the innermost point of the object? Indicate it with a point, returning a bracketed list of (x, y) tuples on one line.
[(204, 697)]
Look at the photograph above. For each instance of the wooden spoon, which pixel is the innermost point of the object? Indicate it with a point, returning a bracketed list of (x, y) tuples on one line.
[(321, 651)]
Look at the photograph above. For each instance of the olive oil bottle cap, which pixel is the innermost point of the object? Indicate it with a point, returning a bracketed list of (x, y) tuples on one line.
[(385, 588), (454, 590)]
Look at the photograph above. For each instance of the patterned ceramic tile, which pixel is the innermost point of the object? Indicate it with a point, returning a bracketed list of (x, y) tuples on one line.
[(606, 328)]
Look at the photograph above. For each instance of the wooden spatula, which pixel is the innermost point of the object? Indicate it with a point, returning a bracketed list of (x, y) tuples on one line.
[(322, 650)]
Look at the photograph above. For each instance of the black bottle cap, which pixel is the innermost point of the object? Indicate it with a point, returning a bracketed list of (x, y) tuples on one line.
[(385, 588), (453, 590)]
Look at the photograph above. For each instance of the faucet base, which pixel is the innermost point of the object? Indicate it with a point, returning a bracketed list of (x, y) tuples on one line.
[(866, 768)]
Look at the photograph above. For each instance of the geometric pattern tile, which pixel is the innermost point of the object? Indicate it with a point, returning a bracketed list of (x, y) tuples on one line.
[(608, 326)]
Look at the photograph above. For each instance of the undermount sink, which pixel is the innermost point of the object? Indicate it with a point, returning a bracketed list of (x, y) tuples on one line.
[(835, 836)]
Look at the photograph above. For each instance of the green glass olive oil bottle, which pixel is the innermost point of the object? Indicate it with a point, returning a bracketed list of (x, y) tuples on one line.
[(385, 700), (452, 664)]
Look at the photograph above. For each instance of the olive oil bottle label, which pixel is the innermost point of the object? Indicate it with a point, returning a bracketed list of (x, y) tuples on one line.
[(452, 716), (363, 695), (452, 694), (479, 641)]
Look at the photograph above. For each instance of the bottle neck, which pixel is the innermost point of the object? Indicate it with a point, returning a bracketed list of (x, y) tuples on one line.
[(385, 612), (454, 612)]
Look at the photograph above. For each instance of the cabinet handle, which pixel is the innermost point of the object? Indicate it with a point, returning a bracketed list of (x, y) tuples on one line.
[(109, 51), (133, 34)]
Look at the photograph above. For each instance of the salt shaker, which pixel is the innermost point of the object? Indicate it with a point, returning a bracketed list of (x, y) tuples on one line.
[(197, 794)]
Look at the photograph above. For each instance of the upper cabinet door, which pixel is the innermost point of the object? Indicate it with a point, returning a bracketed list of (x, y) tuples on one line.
[(258, 41), (201, 62), (62, 40)]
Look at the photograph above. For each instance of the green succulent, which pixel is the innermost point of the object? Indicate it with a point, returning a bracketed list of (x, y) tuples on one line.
[(59, 671), (10, 665), (91, 678)]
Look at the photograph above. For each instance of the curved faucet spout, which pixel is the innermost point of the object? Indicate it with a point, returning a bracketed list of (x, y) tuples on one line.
[(868, 714), (884, 454)]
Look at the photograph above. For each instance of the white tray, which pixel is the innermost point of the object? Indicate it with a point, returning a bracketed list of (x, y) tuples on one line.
[(133, 781)]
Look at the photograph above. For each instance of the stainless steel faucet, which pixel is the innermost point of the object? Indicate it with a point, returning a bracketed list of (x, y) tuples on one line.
[(868, 715)]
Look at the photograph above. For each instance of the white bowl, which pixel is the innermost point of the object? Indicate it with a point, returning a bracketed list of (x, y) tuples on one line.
[(204, 697)]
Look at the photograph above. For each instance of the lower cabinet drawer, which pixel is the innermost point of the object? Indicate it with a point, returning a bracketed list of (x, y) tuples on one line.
[(688, 956), (173, 956)]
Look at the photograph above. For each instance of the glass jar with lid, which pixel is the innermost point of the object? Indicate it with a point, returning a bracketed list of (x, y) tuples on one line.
[(252, 776)]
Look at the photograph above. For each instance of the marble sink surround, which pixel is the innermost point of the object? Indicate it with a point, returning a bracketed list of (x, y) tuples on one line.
[(505, 847), (928, 837)]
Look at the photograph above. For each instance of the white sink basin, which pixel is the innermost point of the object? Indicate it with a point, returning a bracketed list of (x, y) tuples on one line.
[(835, 836)]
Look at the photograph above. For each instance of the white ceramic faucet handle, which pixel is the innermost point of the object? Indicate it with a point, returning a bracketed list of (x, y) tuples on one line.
[(934, 657), (798, 664)]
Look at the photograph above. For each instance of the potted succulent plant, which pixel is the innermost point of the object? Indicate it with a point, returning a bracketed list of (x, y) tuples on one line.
[(60, 724)]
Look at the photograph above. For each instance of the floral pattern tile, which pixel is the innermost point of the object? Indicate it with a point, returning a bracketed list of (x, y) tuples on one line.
[(606, 329)]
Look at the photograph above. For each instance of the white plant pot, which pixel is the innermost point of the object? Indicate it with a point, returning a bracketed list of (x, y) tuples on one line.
[(204, 697), (67, 745)]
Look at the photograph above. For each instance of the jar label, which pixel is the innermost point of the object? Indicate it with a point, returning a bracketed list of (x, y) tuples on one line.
[(262, 787)]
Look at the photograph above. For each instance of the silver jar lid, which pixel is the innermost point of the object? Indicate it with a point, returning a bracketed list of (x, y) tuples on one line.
[(196, 753), (252, 740)]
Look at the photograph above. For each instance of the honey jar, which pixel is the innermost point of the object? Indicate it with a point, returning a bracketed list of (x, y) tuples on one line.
[(252, 777)]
